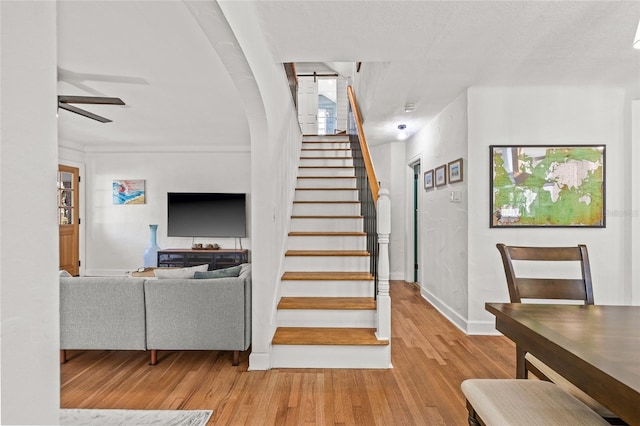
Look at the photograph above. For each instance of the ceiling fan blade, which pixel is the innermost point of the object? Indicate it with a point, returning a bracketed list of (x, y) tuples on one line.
[(83, 112), (102, 100)]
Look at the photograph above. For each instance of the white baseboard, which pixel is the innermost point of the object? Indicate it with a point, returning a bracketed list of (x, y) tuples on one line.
[(482, 328), (396, 276), (454, 317), (259, 361), (475, 328)]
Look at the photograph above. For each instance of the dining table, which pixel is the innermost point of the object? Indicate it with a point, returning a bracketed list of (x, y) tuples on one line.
[(595, 347)]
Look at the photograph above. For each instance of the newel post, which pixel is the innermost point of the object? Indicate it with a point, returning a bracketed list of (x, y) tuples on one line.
[(383, 213)]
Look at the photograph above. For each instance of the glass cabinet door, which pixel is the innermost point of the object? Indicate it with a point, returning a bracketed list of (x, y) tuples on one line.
[(65, 198)]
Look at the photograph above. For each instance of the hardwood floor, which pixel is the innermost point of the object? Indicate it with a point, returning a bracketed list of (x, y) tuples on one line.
[(430, 357)]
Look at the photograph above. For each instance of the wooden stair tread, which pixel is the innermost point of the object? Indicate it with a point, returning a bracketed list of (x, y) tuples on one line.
[(327, 158), (326, 189), (326, 167), (327, 253), (326, 177), (327, 276), (326, 149), (326, 217), (327, 336), (327, 234), (326, 202), (333, 303)]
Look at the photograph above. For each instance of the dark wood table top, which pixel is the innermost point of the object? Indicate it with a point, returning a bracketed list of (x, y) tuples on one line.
[(595, 347)]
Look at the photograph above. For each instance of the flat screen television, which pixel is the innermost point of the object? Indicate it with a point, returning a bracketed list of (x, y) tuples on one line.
[(204, 214)]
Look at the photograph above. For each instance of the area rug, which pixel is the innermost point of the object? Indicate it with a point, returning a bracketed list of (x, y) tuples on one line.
[(89, 417)]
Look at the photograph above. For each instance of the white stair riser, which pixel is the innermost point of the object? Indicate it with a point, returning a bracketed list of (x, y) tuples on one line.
[(326, 182), (326, 242), (326, 209), (331, 153), (326, 171), (327, 263), (326, 145), (312, 356), (326, 318), (326, 195), (326, 162), (326, 225), (333, 288), (324, 138)]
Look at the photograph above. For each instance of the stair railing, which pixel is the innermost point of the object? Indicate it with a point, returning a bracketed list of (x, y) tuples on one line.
[(367, 183), (376, 209)]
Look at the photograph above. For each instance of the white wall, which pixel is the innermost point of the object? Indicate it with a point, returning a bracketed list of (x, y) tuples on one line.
[(388, 161), (274, 162), (635, 206), (549, 115), (30, 372), (442, 224), (117, 235)]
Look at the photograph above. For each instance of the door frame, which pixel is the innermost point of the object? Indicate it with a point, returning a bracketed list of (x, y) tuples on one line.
[(81, 211), (414, 242)]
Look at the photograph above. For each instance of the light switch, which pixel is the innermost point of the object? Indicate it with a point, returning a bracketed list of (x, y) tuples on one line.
[(455, 197)]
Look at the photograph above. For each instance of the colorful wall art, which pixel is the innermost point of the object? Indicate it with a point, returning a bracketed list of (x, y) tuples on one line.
[(534, 185), (129, 191)]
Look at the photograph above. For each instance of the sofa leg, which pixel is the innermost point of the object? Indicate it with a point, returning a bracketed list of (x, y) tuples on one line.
[(236, 358), (154, 356), (63, 356)]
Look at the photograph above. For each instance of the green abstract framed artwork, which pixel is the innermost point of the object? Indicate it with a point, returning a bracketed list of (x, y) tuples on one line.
[(547, 186)]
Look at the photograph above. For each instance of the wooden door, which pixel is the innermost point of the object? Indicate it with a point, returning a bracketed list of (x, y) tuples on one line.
[(68, 220), (308, 105)]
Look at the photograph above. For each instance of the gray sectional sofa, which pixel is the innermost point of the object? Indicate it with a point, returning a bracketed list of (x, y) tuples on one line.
[(127, 313)]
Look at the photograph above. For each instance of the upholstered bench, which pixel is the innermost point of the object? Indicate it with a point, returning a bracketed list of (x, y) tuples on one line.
[(502, 402)]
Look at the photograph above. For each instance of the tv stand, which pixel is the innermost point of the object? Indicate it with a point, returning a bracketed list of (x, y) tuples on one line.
[(217, 259)]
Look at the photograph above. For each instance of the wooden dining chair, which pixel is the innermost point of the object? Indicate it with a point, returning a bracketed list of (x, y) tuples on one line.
[(544, 288), (579, 288)]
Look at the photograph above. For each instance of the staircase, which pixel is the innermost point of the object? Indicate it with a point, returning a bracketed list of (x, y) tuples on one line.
[(327, 313)]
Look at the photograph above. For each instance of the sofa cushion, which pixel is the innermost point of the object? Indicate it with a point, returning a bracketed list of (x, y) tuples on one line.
[(105, 313), (179, 272), (233, 271), (185, 314)]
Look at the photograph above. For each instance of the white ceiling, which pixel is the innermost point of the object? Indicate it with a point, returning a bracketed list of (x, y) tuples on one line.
[(154, 56)]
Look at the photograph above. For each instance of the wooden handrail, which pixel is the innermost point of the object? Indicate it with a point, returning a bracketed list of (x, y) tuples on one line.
[(371, 173)]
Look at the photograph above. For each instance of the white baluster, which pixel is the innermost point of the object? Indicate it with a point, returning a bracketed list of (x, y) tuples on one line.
[(383, 214)]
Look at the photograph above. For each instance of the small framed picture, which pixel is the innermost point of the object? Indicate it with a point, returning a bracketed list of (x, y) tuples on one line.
[(128, 191), (455, 171), (441, 175), (428, 179)]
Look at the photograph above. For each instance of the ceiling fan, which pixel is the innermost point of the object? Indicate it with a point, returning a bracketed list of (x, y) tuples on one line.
[(64, 101)]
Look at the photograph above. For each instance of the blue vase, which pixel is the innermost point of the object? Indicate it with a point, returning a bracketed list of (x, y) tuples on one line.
[(151, 253)]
